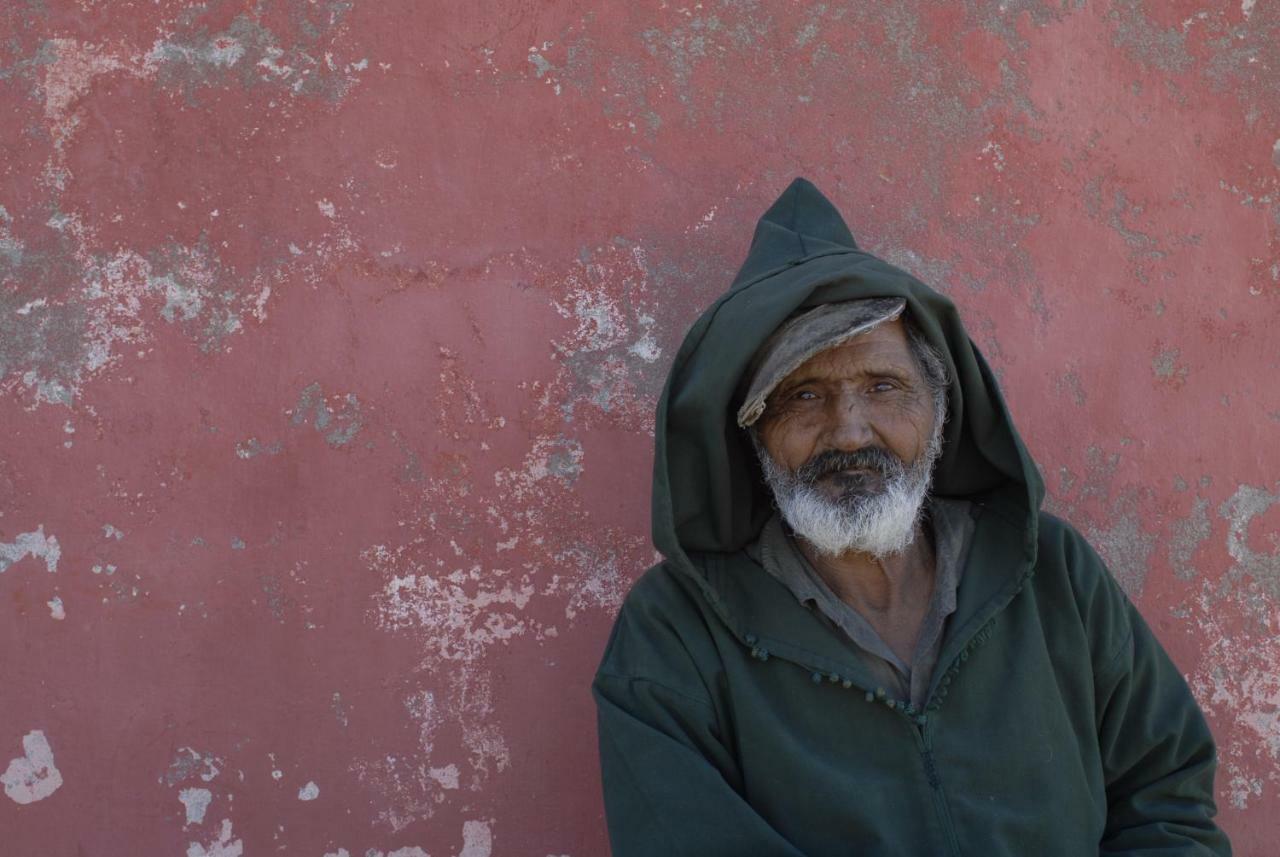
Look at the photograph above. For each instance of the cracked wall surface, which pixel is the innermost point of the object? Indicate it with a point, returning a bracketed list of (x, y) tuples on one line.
[(331, 330)]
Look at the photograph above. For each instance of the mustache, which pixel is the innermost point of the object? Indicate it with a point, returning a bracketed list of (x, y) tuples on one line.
[(874, 458)]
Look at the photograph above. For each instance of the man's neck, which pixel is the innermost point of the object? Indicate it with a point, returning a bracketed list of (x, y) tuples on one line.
[(888, 588)]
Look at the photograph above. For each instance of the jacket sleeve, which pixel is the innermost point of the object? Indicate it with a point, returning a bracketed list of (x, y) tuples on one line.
[(668, 775), (1157, 753), (664, 791)]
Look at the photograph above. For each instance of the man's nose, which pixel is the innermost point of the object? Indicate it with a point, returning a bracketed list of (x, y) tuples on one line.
[(850, 423)]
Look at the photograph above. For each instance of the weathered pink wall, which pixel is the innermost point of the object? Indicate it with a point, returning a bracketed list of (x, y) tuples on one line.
[(330, 334)]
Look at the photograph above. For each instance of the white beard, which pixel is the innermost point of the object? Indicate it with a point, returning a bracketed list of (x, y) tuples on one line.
[(881, 524)]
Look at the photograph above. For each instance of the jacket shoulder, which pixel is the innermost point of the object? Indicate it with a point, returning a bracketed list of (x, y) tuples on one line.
[(1063, 548), (665, 633), (1057, 533), (1103, 608)]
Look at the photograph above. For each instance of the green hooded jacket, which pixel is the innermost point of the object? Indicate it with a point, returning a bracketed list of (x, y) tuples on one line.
[(733, 721)]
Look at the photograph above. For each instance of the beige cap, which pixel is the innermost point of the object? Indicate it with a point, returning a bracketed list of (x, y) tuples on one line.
[(803, 336)]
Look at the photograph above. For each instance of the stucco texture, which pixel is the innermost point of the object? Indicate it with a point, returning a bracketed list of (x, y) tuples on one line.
[(331, 330)]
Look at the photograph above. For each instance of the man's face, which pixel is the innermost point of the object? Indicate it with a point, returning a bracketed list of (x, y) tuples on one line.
[(866, 394), (851, 437)]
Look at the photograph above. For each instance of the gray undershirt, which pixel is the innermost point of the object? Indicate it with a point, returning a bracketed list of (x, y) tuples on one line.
[(951, 525)]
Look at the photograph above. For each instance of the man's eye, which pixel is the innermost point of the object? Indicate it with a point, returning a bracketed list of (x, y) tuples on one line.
[(804, 395), (883, 387)]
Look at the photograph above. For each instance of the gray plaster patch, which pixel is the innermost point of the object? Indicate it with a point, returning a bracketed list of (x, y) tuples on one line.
[(54, 344), (411, 470), (32, 776), (936, 272), (278, 601), (11, 249), (564, 459), (1239, 511), (1165, 365), (1188, 535), (198, 294), (626, 77), (703, 38), (1237, 53), (1125, 548), (1135, 238), (477, 839), (612, 353), (1002, 18), (809, 30), (1069, 384), (340, 427), (196, 803), (45, 342), (248, 53), (339, 709), (601, 581), (187, 763), (220, 846), (1165, 48), (540, 63), (1100, 472), (34, 544), (252, 448)]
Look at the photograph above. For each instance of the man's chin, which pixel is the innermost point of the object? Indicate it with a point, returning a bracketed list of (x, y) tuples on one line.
[(848, 490)]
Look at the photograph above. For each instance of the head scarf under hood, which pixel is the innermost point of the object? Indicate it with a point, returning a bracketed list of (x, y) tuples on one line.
[(707, 493)]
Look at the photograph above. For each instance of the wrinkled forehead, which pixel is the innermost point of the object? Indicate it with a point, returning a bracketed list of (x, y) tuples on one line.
[(801, 337)]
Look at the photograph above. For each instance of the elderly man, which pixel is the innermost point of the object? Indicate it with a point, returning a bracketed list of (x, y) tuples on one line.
[(866, 637)]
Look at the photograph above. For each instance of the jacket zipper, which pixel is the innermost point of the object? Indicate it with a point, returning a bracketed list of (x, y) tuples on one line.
[(921, 731)]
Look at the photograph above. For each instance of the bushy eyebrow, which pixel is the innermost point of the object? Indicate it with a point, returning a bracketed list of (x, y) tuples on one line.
[(873, 370)]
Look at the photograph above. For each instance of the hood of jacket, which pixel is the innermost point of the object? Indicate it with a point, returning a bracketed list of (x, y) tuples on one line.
[(707, 492)]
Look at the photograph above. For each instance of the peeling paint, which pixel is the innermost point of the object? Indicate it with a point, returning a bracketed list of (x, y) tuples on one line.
[(66, 343), (221, 846), (1247, 503), (1241, 676), (187, 763), (460, 624), (195, 802), (1188, 535), (446, 777), (1163, 47), (477, 839), (250, 54), (252, 448), (33, 776), (338, 427), (34, 544), (339, 709), (1126, 548), (68, 76), (1165, 366), (611, 348), (310, 791)]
